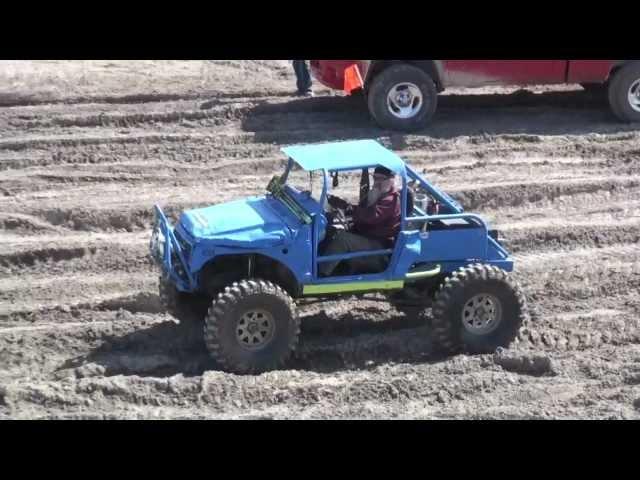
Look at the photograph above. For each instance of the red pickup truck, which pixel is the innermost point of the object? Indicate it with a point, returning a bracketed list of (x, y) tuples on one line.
[(402, 95)]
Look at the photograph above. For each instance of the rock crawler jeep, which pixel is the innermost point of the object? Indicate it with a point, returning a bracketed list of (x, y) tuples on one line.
[(240, 266)]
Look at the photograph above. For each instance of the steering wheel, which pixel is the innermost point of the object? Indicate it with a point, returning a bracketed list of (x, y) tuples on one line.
[(337, 216)]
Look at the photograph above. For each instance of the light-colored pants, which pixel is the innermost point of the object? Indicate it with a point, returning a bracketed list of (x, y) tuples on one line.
[(346, 242)]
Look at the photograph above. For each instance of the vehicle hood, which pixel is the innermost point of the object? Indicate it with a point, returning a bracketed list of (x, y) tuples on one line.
[(249, 223)]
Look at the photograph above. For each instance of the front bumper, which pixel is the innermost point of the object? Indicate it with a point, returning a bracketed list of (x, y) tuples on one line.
[(167, 252)]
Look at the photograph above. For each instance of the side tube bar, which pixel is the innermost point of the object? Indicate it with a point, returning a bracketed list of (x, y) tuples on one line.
[(348, 256), (455, 216), (499, 248), (437, 194), (463, 216)]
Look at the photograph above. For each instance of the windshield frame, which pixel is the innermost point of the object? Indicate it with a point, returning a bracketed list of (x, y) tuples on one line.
[(279, 189), (325, 182)]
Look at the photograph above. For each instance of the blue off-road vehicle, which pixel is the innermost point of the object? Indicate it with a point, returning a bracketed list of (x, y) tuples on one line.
[(240, 266)]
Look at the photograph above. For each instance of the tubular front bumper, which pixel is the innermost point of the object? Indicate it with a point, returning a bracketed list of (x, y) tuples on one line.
[(167, 253)]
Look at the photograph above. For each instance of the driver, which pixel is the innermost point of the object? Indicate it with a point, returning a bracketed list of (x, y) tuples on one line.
[(376, 224)]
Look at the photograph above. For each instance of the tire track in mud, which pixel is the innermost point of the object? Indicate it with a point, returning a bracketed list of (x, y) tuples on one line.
[(504, 194), (222, 115), (177, 155), (541, 259), (556, 335), (525, 193), (40, 142), (565, 281), (38, 291), (57, 260), (576, 235), (122, 217), (36, 181), (219, 142), (207, 98), (217, 117), (283, 118), (139, 344), (28, 224), (111, 170), (206, 146), (31, 257), (385, 389)]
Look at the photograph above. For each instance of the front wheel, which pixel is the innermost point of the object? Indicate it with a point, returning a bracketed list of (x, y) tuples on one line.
[(624, 93), (402, 97), (252, 327), (477, 309)]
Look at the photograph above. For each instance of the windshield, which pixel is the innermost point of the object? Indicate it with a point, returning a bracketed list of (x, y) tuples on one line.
[(276, 187), (304, 181), (296, 188)]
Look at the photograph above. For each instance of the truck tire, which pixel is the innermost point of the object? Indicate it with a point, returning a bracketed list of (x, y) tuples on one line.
[(477, 309), (402, 97), (624, 93), (251, 327), (185, 307)]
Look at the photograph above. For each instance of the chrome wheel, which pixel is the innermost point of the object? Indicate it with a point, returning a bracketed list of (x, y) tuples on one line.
[(633, 95), (404, 100), (255, 329), (482, 314)]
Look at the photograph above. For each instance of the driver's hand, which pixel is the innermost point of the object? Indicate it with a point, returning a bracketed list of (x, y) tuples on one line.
[(337, 202)]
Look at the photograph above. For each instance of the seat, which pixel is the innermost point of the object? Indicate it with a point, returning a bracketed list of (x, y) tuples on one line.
[(410, 202)]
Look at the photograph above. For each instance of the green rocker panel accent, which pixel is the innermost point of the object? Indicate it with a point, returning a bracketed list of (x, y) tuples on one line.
[(352, 287), (417, 275)]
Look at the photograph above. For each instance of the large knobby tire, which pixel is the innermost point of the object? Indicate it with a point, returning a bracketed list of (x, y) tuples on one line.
[(252, 327), (398, 84), (185, 307), (477, 309), (624, 93)]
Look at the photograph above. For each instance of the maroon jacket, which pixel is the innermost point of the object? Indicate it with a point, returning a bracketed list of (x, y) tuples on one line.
[(381, 220)]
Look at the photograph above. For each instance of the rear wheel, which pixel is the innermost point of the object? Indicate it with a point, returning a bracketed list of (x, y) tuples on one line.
[(252, 327), (402, 97), (477, 309), (624, 93)]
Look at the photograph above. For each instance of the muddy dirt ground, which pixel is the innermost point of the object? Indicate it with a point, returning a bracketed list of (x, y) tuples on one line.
[(86, 149)]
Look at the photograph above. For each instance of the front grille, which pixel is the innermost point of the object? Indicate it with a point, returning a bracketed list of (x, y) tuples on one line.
[(184, 245)]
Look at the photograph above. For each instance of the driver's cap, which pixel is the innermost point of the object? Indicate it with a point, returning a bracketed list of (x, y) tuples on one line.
[(380, 170)]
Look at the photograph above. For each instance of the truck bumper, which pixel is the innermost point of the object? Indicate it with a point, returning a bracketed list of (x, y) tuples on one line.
[(331, 73)]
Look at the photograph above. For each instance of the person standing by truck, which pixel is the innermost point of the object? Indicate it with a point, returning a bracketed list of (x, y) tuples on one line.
[(303, 78)]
